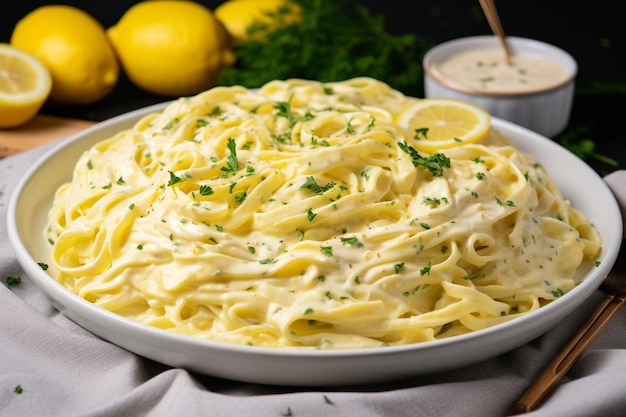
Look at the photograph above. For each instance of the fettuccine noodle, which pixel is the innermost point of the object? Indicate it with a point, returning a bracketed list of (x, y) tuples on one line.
[(291, 217)]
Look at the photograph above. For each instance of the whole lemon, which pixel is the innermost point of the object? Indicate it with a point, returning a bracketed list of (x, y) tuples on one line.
[(239, 15), (171, 47), (74, 47)]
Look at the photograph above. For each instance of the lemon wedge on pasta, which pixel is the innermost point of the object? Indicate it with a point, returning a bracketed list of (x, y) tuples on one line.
[(440, 123)]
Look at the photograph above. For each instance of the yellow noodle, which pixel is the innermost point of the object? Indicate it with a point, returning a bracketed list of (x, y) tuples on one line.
[(289, 217)]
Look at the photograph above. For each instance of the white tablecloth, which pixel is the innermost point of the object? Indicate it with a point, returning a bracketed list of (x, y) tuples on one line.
[(63, 370)]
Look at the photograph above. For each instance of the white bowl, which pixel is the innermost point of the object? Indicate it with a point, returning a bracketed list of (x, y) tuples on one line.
[(545, 110), (27, 216)]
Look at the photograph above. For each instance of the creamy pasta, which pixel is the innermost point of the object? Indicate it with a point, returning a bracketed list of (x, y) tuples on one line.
[(291, 216)]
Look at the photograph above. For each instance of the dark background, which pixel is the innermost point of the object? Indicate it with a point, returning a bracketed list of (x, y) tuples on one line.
[(592, 32)]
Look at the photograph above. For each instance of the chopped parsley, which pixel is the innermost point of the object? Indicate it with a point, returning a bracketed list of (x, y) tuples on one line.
[(434, 202), (12, 281), (284, 110), (351, 241), (507, 203), (173, 179), (232, 165), (557, 293), (241, 197), (311, 184), (420, 133), (205, 190), (435, 163)]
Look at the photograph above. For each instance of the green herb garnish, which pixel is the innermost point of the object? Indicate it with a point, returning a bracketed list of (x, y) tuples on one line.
[(435, 163), (311, 184), (232, 165), (336, 39), (12, 281)]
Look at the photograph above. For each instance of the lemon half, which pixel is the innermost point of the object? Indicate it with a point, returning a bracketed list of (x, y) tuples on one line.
[(440, 123), (25, 84)]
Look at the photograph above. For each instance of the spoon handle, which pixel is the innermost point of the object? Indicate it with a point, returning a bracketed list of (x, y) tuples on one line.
[(490, 11), (569, 354)]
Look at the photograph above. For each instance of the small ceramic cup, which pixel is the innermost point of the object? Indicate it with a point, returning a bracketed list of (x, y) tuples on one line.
[(541, 106)]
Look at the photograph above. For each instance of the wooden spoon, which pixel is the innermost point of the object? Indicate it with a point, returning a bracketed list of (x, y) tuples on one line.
[(489, 9), (615, 287)]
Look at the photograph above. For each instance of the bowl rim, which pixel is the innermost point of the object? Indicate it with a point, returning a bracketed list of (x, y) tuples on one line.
[(440, 50)]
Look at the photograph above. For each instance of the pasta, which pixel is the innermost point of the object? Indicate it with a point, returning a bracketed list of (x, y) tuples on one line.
[(290, 217)]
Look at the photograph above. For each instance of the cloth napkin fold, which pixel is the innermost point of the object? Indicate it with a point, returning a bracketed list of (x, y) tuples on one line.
[(49, 366)]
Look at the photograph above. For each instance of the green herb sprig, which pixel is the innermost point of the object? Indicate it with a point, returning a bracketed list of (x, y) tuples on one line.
[(336, 40), (435, 162), (284, 110), (311, 184), (232, 165)]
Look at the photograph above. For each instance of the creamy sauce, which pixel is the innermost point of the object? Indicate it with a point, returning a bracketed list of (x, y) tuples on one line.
[(487, 70), (293, 217)]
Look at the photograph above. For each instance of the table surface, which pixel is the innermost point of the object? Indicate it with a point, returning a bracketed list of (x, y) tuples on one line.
[(592, 34)]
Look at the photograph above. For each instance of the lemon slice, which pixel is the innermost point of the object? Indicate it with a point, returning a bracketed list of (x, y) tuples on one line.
[(25, 84), (440, 123)]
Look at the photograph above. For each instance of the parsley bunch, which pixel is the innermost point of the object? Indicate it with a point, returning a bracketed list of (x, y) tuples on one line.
[(336, 40)]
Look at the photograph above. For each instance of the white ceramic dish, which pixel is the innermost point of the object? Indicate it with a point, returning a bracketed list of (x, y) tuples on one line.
[(27, 216), (544, 111)]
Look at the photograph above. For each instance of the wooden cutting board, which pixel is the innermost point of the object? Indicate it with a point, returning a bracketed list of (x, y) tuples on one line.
[(40, 130)]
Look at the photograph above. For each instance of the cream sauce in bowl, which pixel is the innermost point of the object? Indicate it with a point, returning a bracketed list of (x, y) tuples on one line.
[(487, 70), (536, 91)]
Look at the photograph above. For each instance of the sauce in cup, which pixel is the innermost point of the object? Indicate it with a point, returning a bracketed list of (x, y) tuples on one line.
[(486, 70), (535, 92)]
